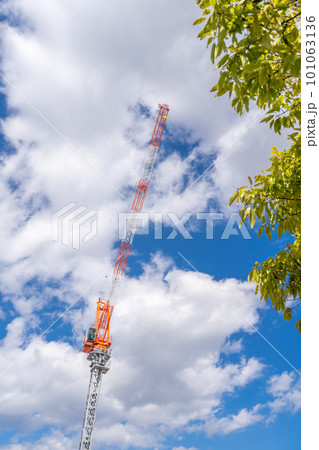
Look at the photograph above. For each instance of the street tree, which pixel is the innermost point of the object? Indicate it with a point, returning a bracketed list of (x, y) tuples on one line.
[(255, 45)]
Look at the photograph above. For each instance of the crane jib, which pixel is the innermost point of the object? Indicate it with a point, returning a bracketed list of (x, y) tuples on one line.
[(102, 338)]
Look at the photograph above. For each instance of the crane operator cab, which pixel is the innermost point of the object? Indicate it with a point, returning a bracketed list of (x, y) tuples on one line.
[(89, 340), (91, 334)]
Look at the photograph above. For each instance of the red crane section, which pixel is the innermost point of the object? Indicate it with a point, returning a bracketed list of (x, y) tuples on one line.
[(99, 337), (159, 126)]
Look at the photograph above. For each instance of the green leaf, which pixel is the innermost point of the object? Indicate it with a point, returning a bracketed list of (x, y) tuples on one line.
[(261, 230), (222, 61), (298, 325), (257, 29), (200, 20), (263, 77), (209, 40), (213, 53), (296, 68), (280, 229), (246, 213), (268, 232), (265, 40), (251, 67), (252, 219), (287, 314), (277, 126), (221, 35), (214, 88), (232, 199), (204, 4)]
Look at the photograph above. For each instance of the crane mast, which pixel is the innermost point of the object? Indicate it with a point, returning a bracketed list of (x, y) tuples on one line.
[(98, 340)]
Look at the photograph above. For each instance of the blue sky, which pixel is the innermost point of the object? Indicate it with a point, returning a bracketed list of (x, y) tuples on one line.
[(188, 372)]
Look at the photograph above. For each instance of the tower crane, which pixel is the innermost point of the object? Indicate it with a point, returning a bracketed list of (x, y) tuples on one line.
[(98, 340)]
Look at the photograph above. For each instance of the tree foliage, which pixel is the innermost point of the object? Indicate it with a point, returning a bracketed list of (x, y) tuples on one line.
[(255, 44)]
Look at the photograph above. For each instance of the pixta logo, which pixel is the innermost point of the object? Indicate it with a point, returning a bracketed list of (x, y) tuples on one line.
[(139, 223), (74, 225)]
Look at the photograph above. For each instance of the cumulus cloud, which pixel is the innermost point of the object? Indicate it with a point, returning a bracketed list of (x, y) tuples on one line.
[(233, 346), (285, 388), (52, 441), (234, 422), (87, 80), (169, 329)]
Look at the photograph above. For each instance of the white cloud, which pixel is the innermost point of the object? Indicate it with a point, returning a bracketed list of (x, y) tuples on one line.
[(184, 448), (168, 333), (286, 390), (234, 422), (246, 150), (169, 328), (53, 441), (86, 77), (280, 384), (124, 436), (233, 346)]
